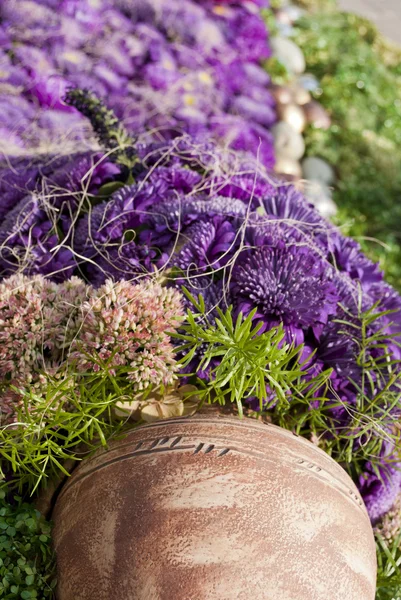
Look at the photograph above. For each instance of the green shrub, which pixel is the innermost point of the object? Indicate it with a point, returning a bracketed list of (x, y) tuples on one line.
[(27, 566), (360, 86)]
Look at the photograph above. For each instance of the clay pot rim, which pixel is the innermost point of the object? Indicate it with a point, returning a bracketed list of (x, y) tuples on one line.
[(207, 418), (211, 415)]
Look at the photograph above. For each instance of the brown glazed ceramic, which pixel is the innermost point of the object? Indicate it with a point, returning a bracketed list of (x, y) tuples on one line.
[(212, 508)]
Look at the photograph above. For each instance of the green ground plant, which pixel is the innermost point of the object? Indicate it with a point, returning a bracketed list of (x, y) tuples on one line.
[(27, 564)]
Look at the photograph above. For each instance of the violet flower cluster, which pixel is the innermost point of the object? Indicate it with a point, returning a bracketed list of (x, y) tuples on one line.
[(40, 200), (217, 223), (119, 329), (164, 66)]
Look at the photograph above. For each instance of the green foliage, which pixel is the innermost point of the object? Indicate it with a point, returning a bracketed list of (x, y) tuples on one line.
[(27, 566), (360, 79), (243, 362), (317, 5), (277, 71), (246, 364), (270, 19), (388, 253), (51, 429), (371, 421), (388, 568)]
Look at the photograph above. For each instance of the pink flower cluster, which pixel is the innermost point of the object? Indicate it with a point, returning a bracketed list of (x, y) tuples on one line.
[(124, 330), (26, 306), (46, 327)]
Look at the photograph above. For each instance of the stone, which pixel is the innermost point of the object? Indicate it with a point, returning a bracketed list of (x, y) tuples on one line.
[(300, 95), (288, 166), (316, 115), (289, 54), (285, 30), (293, 115), (177, 509), (318, 169), (309, 82), (293, 13), (281, 93), (174, 402), (287, 141), (320, 195), (282, 17)]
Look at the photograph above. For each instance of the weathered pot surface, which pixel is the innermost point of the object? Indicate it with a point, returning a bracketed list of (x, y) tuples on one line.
[(212, 508)]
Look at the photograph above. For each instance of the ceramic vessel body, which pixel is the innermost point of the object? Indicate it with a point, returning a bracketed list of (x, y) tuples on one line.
[(212, 508)]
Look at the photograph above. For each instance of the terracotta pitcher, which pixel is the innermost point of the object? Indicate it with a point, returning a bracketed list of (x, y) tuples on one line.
[(212, 508)]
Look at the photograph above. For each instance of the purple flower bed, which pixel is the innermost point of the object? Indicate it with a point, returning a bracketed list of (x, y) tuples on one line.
[(185, 78), (217, 223), (164, 66)]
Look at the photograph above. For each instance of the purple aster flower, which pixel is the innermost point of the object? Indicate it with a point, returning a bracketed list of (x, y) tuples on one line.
[(86, 14), (72, 61), (288, 284), (256, 74), (240, 135), (77, 174), (380, 490), (10, 74), (31, 21), (349, 257), (254, 110), (15, 181), (337, 347), (126, 260), (35, 61), (111, 80), (16, 113), (105, 223), (37, 219), (50, 90), (165, 68), (390, 300), (101, 236), (166, 220), (115, 53), (160, 77), (28, 243), (245, 31), (247, 187), (208, 245), (55, 127), (289, 206), (176, 177), (286, 202)]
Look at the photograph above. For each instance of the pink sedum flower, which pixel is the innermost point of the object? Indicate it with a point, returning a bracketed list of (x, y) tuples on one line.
[(125, 329), (120, 328), (26, 309), (67, 316), (26, 306)]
